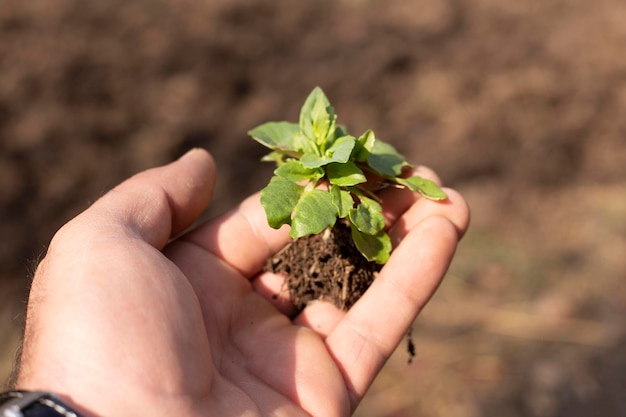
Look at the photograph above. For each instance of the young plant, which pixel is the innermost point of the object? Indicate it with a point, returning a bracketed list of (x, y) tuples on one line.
[(324, 174)]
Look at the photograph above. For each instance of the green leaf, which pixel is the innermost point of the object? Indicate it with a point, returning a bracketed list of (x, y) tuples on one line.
[(317, 117), (278, 136), (345, 175), (342, 200), (323, 118), (279, 199), (339, 152), (341, 149), (375, 248), (385, 160), (276, 157), (367, 216), (425, 187), (305, 145), (314, 212), (314, 161), (293, 170), (364, 146), (340, 131)]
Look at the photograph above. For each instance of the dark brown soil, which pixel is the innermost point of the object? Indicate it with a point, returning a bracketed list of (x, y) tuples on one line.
[(324, 267)]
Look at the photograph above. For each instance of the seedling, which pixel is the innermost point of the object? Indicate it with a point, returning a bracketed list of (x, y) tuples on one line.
[(324, 174)]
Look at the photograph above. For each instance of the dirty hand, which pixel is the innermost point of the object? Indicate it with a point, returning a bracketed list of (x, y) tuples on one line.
[(124, 319)]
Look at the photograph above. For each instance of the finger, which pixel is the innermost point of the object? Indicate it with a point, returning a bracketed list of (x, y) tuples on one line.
[(371, 330), (454, 208), (321, 317), (272, 287), (397, 200), (155, 204), (242, 237)]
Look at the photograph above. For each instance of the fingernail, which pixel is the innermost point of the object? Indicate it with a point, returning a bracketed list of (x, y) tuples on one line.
[(190, 152)]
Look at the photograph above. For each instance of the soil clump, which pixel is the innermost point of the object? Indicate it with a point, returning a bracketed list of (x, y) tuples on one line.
[(325, 267)]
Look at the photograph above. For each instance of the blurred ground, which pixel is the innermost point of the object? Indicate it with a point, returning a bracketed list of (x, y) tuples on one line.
[(519, 105)]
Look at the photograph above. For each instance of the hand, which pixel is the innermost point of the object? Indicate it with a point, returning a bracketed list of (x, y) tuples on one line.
[(125, 320)]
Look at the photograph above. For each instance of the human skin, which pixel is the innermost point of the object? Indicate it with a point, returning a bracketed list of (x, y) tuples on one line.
[(129, 315)]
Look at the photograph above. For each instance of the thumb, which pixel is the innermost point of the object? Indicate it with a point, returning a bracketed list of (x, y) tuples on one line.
[(155, 204)]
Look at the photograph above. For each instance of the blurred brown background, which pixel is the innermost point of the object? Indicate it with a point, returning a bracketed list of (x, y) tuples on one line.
[(519, 105)]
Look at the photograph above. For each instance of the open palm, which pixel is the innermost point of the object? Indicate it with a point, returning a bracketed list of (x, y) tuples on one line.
[(123, 319)]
